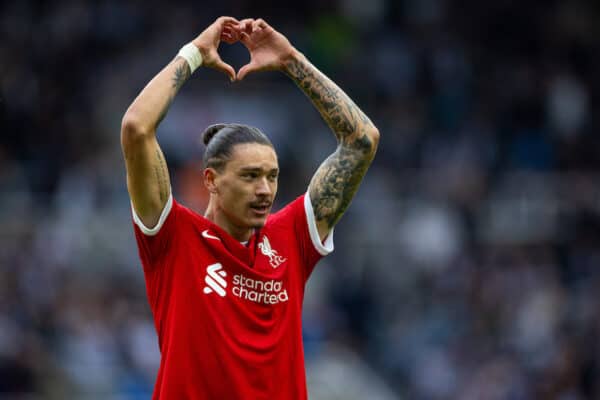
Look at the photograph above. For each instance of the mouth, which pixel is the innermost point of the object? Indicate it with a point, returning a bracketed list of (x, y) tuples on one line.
[(260, 208)]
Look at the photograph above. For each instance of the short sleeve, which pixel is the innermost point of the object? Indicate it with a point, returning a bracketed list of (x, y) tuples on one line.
[(299, 216), (153, 242), (325, 247)]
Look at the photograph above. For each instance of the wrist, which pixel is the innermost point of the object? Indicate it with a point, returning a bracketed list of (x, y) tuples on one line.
[(192, 54), (202, 48), (293, 57)]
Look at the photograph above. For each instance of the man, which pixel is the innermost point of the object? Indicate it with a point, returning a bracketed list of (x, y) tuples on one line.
[(226, 289)]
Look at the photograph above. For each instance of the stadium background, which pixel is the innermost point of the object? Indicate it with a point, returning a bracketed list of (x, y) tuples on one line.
[(467, 267)]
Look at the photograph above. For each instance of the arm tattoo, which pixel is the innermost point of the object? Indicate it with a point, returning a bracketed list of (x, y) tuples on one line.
[(160, 170), (337, 109), (336, 181), (182, 74)]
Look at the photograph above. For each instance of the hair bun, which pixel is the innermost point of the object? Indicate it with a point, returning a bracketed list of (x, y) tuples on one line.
[(210, 132)]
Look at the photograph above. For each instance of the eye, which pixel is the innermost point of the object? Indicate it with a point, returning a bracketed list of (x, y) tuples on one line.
[(273, 177), (249, 175)]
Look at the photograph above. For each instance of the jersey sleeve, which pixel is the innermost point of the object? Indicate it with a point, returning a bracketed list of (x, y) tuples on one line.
[(298, 216), (153, 243), (325, 247)]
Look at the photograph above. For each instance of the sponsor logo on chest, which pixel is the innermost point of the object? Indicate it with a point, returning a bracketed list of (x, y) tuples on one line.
[(215, 280), (254, 290)]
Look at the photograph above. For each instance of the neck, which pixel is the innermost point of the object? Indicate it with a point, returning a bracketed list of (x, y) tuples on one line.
[(218, 217)]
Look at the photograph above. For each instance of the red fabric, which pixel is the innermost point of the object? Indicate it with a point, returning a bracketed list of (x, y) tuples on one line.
[(246, 344)]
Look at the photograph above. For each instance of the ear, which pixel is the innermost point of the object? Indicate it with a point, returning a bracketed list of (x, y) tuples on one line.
[(210, 176)]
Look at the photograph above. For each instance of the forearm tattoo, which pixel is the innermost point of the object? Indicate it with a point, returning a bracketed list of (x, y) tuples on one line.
[(180, 76), (338, 110), (336, 181)]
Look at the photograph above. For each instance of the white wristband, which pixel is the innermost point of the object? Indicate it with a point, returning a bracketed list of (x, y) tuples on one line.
[(192, 55)]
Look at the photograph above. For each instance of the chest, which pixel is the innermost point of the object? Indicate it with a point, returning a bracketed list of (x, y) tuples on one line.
[(258, 279)]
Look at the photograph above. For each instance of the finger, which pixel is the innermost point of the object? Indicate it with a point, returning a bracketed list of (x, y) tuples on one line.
[(227, 20), (229, 28), (230, 25), (229, 39), (230, 34), (222, 66), (246, 69), (261, 23), (245, 21), (244, 38), (256, 26), (246, 25)]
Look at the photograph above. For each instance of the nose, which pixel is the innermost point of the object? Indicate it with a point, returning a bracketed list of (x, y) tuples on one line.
[(263, 188)]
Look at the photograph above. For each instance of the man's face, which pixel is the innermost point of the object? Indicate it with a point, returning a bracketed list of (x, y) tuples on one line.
[(247, 185)]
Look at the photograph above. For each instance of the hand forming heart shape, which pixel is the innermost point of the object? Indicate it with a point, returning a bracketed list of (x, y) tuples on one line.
[(269, 49)]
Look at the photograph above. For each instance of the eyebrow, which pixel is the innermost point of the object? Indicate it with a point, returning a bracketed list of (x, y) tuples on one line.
[(257, 169)]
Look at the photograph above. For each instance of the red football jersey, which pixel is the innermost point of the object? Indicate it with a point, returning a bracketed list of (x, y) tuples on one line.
[(228, 315)]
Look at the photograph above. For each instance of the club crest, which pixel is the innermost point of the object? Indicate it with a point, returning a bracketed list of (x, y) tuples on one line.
[(275, 260)]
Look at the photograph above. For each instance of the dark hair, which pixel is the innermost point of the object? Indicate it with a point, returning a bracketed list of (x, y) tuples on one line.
[(220, 139)]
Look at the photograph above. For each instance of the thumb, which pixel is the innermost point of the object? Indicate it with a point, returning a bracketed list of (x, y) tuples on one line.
[(222, 66), (246, 69)]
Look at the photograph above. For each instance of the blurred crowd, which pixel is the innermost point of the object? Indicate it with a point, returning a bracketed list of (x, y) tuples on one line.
[(465, 268)]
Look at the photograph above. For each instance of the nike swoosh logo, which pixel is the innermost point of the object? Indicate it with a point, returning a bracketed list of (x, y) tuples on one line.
[(209, 236)]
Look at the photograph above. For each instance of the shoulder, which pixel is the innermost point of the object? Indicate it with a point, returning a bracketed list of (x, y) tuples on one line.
[(188, 216), (290, 211), (298, 217), (172, 216)]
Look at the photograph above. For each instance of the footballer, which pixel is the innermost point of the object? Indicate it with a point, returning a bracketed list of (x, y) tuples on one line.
[(226, 288)]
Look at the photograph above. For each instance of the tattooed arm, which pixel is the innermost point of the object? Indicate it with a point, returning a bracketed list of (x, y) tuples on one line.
[(336, 181), (147, 174)]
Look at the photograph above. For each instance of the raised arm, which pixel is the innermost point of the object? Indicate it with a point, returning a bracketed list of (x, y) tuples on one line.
[(147, 174), (336, 181)]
